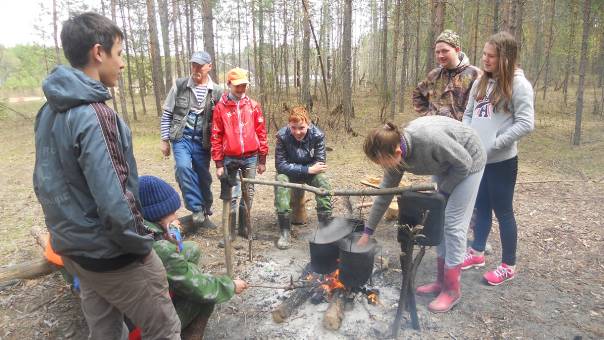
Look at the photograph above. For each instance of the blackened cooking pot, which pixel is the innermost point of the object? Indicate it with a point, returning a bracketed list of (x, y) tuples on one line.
[(412, 205), (323, 243), (324, 257), (356, 263)]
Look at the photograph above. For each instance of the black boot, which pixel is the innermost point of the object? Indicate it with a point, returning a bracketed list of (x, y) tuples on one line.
[(242, 228), (195, 330), (324, 218), (285, 227)]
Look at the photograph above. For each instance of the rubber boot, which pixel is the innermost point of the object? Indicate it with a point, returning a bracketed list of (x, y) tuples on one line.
[(284, 227), (197, 219), (195, 330), (434, 287), (242, 227), (451, 292), (207, 223), (324, 218), (232, 228)]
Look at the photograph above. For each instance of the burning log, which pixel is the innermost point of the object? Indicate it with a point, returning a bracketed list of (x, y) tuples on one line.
[(287, 307), (332, 319)]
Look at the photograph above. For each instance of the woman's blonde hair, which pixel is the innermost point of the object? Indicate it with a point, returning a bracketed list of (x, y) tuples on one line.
[(507, 51), (381, 142)]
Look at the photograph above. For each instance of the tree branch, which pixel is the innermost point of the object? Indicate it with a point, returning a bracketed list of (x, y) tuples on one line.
[(344, 192)]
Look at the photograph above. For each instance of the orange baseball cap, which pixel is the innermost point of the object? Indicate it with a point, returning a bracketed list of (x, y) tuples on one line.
[(237, 76)]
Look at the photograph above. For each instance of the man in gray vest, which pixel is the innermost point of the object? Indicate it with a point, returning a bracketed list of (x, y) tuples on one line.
[(186, 123)]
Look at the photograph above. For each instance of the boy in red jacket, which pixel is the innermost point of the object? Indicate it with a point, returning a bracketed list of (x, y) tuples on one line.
[(238, 142)]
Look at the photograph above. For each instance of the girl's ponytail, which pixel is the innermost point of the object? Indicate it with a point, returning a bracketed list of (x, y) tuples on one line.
[(381, 142)]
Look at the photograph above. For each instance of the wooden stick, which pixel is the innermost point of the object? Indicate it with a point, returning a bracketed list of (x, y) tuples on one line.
[(344, 192), (332, 319), (248, 217), (228, 256)]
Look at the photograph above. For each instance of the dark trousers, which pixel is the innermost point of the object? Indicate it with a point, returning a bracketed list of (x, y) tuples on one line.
[(496, 193)]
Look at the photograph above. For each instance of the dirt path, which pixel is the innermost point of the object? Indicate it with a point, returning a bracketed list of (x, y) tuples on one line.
[(559, 291)]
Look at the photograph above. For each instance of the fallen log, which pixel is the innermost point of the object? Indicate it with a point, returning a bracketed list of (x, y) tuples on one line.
[(27, 270), (332, 319), (32, 269), (287, 307)]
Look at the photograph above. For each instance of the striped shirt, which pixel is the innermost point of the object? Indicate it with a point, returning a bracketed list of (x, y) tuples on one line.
[(201, 92)]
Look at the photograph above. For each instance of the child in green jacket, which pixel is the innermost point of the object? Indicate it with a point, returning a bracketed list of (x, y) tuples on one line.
[(194, 293)]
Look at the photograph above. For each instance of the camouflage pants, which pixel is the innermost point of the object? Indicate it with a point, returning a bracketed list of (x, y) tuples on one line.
[(283, 195), (195, 292)]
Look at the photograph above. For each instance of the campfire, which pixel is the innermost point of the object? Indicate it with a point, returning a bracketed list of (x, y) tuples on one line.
[(321, 288), (340, 269), (326, 286)]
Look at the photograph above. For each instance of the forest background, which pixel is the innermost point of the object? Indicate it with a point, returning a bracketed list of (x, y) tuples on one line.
[(354, 63), (324, 53)]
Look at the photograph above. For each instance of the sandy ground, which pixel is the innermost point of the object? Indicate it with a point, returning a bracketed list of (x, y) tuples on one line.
[(558, 292)]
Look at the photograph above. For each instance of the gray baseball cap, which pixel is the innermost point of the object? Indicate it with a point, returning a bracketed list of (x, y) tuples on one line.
[(201, 58)]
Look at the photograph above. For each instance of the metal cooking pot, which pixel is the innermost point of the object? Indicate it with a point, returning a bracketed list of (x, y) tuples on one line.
[(356, 263), (324, 257), (323, 243)]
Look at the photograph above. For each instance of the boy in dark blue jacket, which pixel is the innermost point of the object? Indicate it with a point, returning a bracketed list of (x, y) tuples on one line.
[(299, 158)]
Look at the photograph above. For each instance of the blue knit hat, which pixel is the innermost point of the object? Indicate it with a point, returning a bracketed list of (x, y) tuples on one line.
[(158, 198)]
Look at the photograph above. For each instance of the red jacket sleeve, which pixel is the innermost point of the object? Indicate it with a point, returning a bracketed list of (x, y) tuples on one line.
[(260, 127), (217, 136)]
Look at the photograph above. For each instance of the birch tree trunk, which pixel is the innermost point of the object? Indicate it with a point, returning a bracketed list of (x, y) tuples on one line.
[(395, 49), (177, 52), (120, 79), (417, 38), (570, 49), (285, 48), (477, 20), (261, 72), (438, 24), (496, 9), (305, 92), (582, 65), (384, 62), (156, 69), (142, 83), (55, 35), (347, 108), (537, 50), (208, 34), (550, 45), (165, 35), (128, 65), (405, 67)]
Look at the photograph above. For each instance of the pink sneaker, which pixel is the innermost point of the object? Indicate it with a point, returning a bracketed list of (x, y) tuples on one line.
[(500, 275), (471, 260)]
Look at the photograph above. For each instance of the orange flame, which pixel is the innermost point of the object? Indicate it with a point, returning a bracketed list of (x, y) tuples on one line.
[(372, 298), (332, 282)]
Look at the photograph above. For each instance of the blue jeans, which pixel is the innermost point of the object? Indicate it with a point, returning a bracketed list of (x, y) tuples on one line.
[(248, 170), (193, 173), (496, 193)]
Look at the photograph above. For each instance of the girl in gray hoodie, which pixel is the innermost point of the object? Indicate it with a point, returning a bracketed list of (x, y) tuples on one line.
[(451, 152), (501, 110)]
